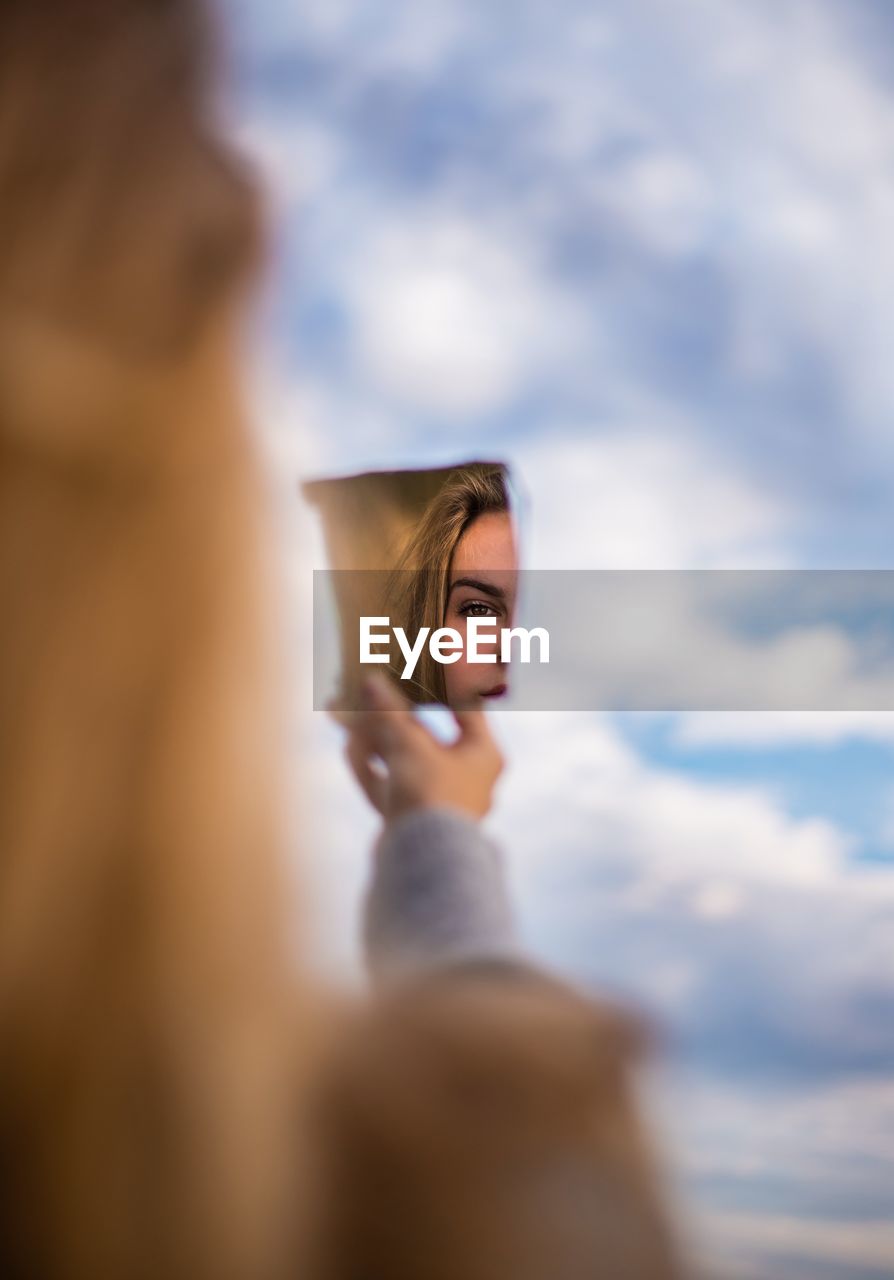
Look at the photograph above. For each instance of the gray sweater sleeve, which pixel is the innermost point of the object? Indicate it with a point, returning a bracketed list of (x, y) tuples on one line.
[(437, 895)]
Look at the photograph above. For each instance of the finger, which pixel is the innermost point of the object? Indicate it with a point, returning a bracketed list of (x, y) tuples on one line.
[(353, 717), (346, 709), (390, 723), (477, 740), (379, 694), (371, 783), (473, 725), (337, 712)]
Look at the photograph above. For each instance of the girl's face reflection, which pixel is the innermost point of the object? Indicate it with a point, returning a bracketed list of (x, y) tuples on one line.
[(483, 583)]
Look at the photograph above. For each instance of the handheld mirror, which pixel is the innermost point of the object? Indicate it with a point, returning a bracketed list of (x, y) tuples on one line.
[(422, 582)]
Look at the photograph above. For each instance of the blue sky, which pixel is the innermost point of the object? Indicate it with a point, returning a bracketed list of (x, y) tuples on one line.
[(643, 252)]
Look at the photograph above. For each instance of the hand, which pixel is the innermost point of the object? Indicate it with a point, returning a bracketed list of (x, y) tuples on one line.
[(401, 766)]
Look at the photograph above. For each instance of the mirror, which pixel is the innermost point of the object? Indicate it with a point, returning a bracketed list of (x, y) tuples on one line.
[(422, 581)]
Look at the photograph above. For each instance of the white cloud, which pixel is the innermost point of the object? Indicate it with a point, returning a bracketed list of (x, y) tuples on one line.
[(781, 1239), (644, 497), (799, 139), (661, 197), (669, 640), (449, 318), (747, 931), (577, 794), (718, 900), (824, 1146), (758, 730), (592, 831)]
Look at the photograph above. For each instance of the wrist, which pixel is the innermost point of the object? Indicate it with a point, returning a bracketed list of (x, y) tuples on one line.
[(419, 808)]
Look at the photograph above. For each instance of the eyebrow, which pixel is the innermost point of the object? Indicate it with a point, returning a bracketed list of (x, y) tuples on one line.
[(486, 588)]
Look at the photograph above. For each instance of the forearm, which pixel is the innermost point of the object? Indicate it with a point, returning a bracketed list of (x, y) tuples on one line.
[(438, 895)]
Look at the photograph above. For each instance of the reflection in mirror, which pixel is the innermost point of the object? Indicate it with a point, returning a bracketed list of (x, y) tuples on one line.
[(426, 550)]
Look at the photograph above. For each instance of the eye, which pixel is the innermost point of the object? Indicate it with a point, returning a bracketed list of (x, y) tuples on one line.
[(478, 609)]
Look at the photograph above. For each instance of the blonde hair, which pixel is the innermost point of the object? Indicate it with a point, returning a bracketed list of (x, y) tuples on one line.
[(482, 1122), (418, 588), (144, 981)]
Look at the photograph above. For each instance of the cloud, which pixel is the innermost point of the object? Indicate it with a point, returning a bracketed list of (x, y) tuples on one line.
[(864, 1248), (746, 928), (580, 798), (658, 197), (759, 730), (640, 494), (413, 36), (670, 641), (447, 317), (297, 161), (783, 1179), (797, 137)]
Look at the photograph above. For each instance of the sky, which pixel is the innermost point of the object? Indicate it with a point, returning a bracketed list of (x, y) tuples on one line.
[(642, 252)]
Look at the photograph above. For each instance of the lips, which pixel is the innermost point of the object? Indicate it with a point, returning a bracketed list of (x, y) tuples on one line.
[(498, 691)]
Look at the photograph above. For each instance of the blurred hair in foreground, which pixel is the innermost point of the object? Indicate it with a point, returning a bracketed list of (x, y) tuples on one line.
[(143, 971), (481, 1124), (156, 1041)]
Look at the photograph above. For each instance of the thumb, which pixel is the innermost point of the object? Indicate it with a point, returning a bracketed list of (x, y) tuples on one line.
[(390, 722), (473, 726), (476, 740)]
